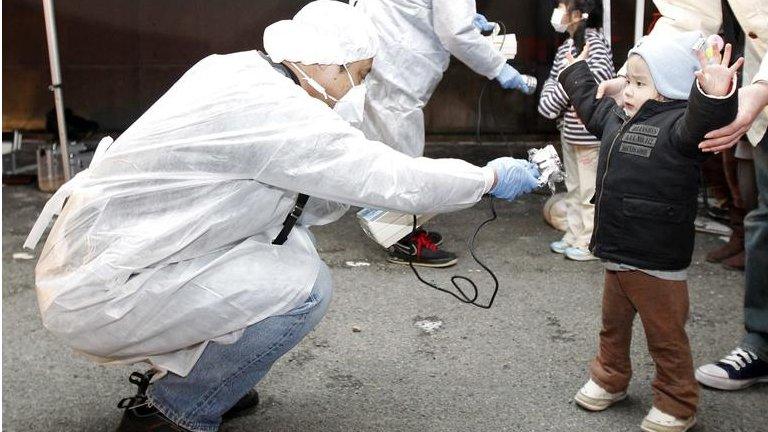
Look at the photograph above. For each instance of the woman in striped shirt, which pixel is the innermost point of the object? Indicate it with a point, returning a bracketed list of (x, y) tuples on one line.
[(582, 19)]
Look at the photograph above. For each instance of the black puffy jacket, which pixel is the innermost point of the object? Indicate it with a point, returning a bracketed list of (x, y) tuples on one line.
[(648, 171)]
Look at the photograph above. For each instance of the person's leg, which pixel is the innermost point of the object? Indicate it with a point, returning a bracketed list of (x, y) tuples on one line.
[(748, 363), (225, 373), (747, 184), (713, 178), (735, 244), (756, 270), (398, 121), (748, 190), (731, 171), (612, 368), (663, 309), (587, 175), (572, 185)]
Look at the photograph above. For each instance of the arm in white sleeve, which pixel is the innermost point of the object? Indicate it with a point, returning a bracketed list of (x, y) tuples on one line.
[(234, 117), (679, 16), (316, 153), (452, 20), (762, 73), (345, 167)]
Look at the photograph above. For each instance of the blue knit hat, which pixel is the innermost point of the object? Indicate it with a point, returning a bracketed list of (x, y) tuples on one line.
[(672, 60)]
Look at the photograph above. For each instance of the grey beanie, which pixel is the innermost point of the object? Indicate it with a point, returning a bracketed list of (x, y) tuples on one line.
[(672, 60)]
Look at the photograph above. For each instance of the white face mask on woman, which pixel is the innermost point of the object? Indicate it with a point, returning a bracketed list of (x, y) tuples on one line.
[(557, 20), (351, 106)]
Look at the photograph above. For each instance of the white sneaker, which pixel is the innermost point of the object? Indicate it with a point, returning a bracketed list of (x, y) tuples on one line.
[(559, 246), (592, 397), (579, 254), (659, 421)]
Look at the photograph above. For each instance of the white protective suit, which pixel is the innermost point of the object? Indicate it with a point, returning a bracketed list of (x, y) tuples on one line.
[(165, 242), (417, 38)]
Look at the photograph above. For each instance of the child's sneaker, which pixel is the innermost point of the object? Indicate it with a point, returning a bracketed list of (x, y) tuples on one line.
[(592, 397), (736, 371), (659, 421), (579, 254), (559, 246)]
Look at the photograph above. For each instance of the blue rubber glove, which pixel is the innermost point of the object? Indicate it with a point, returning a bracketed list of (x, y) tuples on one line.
[(510, 78), (514, 177), (481, 23)]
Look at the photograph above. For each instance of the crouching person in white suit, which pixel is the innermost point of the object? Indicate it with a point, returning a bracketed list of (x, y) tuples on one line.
[(186, 246)]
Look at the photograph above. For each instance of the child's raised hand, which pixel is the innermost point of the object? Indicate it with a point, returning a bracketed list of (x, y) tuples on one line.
[(715, 77), (582, 56)]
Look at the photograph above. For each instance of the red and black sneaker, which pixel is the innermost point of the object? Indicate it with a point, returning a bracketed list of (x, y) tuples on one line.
[(421, 248), (434, 236)]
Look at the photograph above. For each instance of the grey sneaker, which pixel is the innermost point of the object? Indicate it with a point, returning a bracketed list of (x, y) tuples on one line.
[(559, 246), (579, 254)]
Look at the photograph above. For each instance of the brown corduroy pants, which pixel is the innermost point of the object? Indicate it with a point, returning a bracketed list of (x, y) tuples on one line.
[(663, 309)]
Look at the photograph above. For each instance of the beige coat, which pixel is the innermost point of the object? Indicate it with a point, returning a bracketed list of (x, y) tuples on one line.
[(706, 15)]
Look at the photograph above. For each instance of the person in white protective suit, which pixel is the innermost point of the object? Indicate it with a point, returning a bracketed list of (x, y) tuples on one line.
[(418, 38), (177, 247)]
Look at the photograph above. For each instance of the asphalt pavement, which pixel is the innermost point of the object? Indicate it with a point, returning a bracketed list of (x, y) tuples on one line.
[(395, 355)]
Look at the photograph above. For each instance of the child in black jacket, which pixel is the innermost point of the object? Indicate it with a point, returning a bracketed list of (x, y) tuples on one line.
[(645, 198)]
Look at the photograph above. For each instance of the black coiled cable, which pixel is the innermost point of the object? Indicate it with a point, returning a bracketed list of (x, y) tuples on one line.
[(462, 295)]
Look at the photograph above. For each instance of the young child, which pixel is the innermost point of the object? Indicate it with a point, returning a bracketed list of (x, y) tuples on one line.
[(646, 201), (582, 19)]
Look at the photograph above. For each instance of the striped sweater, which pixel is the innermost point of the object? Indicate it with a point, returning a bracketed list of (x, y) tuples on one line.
[(554, 103)]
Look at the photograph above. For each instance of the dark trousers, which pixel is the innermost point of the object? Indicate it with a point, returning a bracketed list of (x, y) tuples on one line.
[(756, 271)]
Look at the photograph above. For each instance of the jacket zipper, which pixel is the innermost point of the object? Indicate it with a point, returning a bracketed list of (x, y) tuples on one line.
[(602, 180)]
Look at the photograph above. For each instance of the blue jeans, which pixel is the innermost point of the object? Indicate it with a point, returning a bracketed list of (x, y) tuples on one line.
[(225, 373), (756, 271)]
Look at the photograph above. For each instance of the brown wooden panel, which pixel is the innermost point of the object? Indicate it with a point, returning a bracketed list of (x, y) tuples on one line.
[(119, 56)]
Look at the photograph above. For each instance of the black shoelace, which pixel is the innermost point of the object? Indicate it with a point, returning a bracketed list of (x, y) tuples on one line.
[(141, 380)]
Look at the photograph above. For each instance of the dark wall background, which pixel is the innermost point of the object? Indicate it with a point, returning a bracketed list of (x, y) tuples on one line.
[(119, 56)]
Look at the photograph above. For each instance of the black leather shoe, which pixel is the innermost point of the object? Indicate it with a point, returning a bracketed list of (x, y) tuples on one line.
[(145, 418), (245, 405), (140, 416)]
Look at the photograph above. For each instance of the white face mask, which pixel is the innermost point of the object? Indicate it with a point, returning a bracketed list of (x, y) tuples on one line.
[(557, 20), (351, 106)]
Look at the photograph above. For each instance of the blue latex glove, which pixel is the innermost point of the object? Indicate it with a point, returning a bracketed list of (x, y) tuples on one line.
[(514, 177), (481, 23), (510, 78)]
